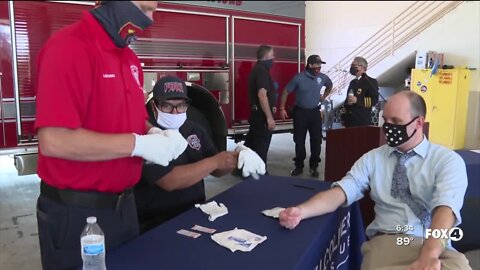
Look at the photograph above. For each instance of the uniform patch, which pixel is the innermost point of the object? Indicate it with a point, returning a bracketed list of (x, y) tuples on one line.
[(194, 142), (319, 80), (359, 91)]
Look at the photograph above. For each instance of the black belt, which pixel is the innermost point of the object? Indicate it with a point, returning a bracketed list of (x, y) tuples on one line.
[(84, 198), (309, 109), (389, 233)]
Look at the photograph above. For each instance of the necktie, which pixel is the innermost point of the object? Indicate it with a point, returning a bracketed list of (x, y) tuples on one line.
[(401, 189)]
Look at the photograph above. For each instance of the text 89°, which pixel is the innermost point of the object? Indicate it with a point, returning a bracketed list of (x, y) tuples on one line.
[(404, 241)]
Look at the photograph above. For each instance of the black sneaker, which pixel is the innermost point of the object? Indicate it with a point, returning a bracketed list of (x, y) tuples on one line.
[(297, 171), (314, 173)]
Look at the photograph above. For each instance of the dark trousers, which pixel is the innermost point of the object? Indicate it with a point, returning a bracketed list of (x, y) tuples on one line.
[(258, 137), (307, 120), (60, 225)]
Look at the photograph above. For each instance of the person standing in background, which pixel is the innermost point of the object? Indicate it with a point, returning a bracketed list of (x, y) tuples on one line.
[(362, 95), (307, 86), (261, 93)]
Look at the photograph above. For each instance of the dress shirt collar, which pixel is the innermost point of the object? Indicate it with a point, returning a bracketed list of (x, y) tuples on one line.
[(421, 149)]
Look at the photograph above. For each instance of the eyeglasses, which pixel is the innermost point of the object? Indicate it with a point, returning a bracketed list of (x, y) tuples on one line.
[(168, 107)]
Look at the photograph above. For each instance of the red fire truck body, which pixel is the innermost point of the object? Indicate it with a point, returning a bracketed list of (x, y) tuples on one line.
[(210, 44)]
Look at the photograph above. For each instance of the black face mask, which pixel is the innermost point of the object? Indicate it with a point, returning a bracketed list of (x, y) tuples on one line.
[(313, 71), (267, 63), (397, 134), (353, 70), (122, 20)]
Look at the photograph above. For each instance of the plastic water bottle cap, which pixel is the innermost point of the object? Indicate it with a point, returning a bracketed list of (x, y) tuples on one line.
[(92, 220)]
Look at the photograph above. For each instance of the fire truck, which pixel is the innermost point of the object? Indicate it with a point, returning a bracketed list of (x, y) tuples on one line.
[(210, 44)]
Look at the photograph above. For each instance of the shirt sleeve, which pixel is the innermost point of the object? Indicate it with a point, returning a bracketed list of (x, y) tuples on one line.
[(345, 104), (356, 182), (450, 184), (64, 82), (328, 81), (208, 147), (262, 80), (370, 98), (292, 84), (151, 172)]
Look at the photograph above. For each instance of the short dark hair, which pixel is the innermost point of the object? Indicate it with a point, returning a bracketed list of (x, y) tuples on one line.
[(417, 104), (262, 51)]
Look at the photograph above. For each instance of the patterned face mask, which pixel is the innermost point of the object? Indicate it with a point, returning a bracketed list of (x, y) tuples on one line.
[(397, 134)]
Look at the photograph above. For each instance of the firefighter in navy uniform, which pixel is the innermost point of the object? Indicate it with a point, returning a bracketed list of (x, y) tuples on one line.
[(166, 191), (362, 95), (307, 86), (262, 97)]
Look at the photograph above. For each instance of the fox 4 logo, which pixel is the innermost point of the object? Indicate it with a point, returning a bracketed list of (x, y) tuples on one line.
[(454, 234)]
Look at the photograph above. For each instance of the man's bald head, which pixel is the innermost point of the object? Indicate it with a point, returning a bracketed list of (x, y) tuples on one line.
[(414, 102)]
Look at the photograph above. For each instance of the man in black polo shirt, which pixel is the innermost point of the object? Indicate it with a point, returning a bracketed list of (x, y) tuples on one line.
[(165, 191), (307, 86), (362, 95), (261, 93)]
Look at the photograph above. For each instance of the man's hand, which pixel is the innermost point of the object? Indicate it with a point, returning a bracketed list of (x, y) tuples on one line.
[(425, 263), (226, 160), (270, 124), (283, 114), (249, 162), (351, 100), (160, 147), (290, 217)]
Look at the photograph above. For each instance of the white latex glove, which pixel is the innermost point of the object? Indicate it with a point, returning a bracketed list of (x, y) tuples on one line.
[(160, 147), (155, 130), (213, 209), (251, 162)]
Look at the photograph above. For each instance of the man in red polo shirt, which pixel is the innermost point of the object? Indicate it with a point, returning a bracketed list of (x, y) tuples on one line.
[(91, 122)]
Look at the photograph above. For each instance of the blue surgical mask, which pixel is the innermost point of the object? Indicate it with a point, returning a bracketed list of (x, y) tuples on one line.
[(171, 121)]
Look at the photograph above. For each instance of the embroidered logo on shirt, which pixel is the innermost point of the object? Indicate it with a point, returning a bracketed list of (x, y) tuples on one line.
[(194, 142), (359, 91), (134, 70), (319, 80), (108, 76)]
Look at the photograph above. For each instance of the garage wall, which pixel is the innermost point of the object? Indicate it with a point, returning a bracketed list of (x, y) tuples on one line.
[(334, 29)]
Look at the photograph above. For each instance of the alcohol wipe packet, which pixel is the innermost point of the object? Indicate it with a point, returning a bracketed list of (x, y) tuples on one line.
[(238, 239)]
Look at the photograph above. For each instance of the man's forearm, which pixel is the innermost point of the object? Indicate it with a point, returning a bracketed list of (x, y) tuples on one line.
[(84, 145), (327, 92), (283, 99), (442, 218), (265, 107), (323, 203), (184, 176)]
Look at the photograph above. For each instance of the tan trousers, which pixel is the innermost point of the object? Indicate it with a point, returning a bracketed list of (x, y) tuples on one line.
[(382, 252)]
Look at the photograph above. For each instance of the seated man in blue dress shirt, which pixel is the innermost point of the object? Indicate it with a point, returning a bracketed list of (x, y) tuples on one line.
[(412, 182)]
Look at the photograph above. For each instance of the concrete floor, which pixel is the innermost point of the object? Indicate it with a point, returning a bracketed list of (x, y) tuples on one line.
[(19, 248)]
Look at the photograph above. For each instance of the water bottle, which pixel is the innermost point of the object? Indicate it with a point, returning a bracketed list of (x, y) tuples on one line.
[(350, 93), (92, 241)]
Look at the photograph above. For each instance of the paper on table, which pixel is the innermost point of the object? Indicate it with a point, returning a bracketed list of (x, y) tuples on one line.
[(274, 212), (238, 239), (213, 209)]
